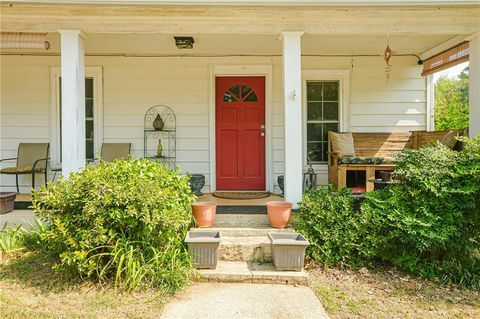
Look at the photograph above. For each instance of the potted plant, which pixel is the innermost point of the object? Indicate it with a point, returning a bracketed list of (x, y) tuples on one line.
[(203, 247), (204, 213), (279, 213), (288, 251), (197, 181), (7, 202)]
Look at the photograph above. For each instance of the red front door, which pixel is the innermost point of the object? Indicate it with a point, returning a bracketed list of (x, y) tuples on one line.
[(240, 133)]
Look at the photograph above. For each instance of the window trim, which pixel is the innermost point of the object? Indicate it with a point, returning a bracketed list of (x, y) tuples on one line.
[(95, 72), (343, 76)]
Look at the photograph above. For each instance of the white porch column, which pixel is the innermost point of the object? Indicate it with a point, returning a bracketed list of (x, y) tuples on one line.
[(292, 84), (474, 91), (73, 101)]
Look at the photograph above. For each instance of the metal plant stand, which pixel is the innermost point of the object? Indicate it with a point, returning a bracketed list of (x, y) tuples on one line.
[(166, 135)]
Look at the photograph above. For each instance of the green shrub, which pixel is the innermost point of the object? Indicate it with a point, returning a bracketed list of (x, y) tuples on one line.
[(337, 232), (432, 219), (123, 221), (428, 224)]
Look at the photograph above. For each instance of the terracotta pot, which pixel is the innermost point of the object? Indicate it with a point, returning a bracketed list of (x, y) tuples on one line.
[(279, 213), (204, 213)]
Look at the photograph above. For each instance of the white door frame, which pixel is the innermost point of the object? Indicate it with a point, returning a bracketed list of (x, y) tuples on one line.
[(265, 70)]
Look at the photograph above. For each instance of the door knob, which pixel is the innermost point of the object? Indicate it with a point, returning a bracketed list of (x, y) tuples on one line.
[(262, 134), (262, 126)]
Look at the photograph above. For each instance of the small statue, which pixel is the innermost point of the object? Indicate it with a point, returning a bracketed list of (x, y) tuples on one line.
[(158, 123), (159, 148)]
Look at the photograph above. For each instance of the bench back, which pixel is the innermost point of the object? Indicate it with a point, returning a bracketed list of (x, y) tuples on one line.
[(381, 144), (424, 138)]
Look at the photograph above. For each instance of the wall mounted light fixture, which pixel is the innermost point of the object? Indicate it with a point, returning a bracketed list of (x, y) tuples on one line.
[(184, 42)]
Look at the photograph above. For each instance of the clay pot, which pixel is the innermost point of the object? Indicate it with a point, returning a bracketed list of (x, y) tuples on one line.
[(204, 213), (279, 213)]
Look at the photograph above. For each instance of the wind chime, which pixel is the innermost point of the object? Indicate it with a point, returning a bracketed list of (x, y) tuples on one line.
[(387, 54)]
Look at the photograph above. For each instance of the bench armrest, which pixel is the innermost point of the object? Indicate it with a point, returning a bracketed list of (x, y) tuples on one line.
[(333, 157)]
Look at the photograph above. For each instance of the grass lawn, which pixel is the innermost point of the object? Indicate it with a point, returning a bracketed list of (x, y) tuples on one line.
[(386, 293), (29, 288)]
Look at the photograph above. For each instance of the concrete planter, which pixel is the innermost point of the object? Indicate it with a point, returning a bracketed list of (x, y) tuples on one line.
[(288, 251), (7, 202), (203, 247)]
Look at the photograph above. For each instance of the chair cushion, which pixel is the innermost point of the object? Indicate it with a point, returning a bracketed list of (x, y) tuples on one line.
[(449, 140), (364, 160), (21, 170), (342, 143)]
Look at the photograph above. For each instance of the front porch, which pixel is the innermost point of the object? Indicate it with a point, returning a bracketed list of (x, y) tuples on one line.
[(315, 80)]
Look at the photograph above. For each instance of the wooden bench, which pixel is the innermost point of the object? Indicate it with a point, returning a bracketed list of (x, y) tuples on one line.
[(385, 145)]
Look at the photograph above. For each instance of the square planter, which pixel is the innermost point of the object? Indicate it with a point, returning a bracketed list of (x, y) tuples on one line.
[(203, 247), (7, 202), (288, 250)]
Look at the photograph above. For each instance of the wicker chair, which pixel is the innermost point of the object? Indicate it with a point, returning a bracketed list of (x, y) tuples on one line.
[(32, 158)]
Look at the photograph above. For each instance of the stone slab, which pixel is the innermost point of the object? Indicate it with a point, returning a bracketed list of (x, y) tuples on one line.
[(251, 272), (244, 301)]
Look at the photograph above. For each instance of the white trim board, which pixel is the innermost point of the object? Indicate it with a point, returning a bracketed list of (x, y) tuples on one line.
[(243, 70), (95, 72)]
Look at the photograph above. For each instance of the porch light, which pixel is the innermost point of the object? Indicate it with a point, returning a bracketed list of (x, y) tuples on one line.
[(24, 40), (184, 42)]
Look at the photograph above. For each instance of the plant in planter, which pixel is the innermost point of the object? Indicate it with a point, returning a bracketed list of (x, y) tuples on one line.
[(204, 213), (279, 213), (197, 181)]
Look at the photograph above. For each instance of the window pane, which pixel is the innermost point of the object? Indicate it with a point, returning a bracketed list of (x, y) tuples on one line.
[(314, 110), (227, 97), (252, 97), (329, 127), (89, 149), (330, 91), (314, 132), (314, 152), (89, 108), (330, 111), (89, 129), (314, 91), (89, 88)]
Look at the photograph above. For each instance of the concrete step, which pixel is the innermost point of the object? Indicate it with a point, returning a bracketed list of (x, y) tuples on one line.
[(245, 249), (241, 220), (251, 272), (246, 231)]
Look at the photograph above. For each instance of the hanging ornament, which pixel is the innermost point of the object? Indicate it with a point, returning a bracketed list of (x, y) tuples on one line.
[(387, 54)]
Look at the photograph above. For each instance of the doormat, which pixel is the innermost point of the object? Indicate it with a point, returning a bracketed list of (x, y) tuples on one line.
[(241, 195)]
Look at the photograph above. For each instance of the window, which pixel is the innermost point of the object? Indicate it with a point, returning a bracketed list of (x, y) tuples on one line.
[(240, 93), (89, 119), (323, 115), (93, 113)]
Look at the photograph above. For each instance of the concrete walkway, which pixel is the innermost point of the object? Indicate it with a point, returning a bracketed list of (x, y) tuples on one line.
[(244, 301)]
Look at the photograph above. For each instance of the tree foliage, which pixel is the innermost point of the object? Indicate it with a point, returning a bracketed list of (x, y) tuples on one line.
[(451, 102)]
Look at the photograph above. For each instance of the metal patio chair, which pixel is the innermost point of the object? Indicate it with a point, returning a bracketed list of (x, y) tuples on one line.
[(32, 158)]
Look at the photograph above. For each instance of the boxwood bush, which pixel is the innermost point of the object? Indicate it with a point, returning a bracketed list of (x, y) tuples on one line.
[(122, 222), (428, 224)]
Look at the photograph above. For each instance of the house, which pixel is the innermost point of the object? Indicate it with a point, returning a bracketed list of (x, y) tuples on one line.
[(255, 85)]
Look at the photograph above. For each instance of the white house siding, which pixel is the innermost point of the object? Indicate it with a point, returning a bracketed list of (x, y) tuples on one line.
[(131, 85)]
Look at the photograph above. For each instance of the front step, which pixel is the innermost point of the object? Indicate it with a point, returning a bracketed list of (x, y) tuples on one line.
[(246, 231), (241, 220), (251, 272), (245, 243)]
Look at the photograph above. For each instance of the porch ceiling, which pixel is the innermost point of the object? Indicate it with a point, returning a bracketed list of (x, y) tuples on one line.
[(439, 19), (245, 44)]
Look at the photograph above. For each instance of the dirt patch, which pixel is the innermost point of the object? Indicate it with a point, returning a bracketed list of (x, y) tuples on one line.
[(388, 293)]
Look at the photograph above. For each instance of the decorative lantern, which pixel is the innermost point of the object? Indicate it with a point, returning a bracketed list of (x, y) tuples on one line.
[(309, 179)]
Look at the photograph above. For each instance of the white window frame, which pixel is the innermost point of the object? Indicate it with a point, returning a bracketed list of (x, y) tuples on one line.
[(94, 72), (343, 76)]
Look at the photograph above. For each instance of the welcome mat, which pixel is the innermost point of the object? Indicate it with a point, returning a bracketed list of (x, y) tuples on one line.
[(241, 195)]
